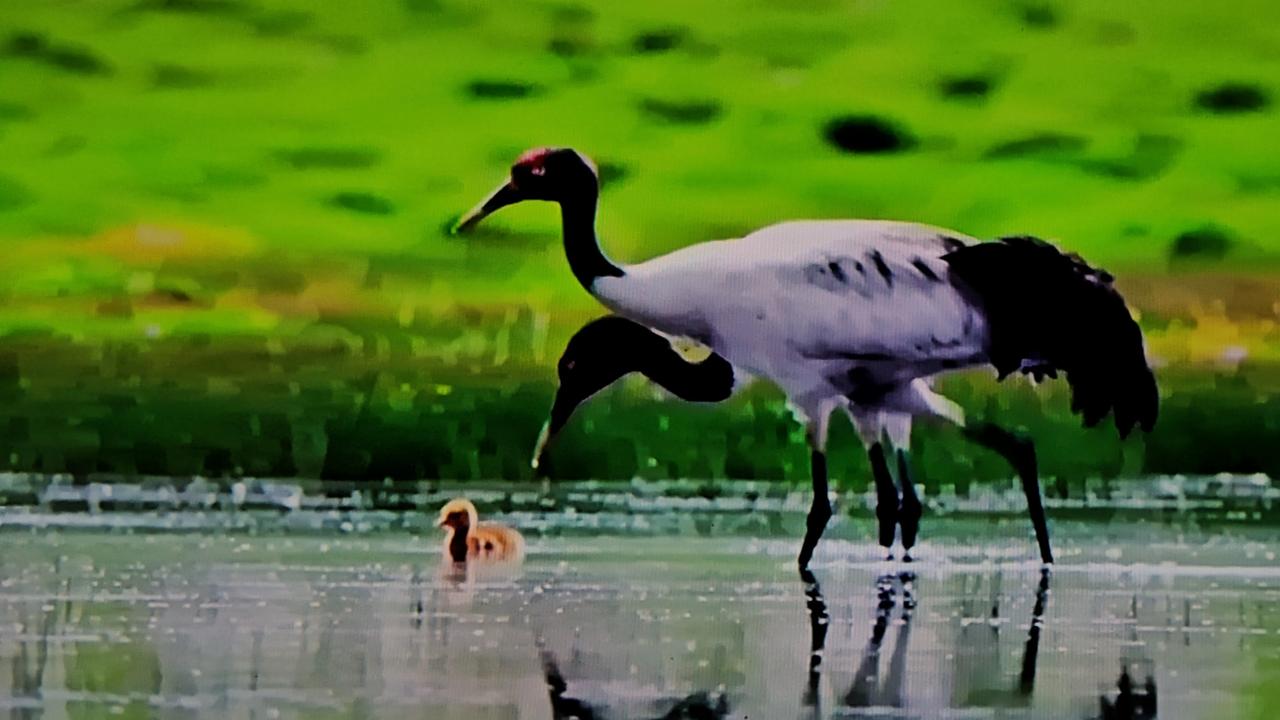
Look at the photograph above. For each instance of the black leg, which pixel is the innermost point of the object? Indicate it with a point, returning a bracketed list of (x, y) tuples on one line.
[(819, 511), (1027, 680), (910, 510), (1021, 454), (886, 495), (819, 620)]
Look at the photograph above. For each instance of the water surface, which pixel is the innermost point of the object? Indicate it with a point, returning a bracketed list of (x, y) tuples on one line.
[(100, 623)]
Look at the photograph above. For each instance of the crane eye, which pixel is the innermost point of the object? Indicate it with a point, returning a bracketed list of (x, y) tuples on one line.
[(569, 365), (538, 170)]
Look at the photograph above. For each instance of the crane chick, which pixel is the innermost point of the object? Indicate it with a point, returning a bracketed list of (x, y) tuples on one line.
[(468, 539)]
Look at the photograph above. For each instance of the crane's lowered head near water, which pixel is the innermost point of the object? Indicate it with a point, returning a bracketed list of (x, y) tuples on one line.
[(610, 347)]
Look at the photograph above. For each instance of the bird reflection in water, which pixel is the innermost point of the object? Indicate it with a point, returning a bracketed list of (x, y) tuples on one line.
[(1127, 701), (819, 621), (980, 684), (567, 704), (868, 692)]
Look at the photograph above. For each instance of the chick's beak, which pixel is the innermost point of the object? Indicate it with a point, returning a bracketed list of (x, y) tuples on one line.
[(506, 194)]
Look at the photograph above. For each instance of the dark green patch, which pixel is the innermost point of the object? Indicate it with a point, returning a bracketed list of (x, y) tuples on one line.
[(26, 44), (10, 111), (1258, 182), (65, 145), (346, 44), (1208, 242), (195, 7), (1038, 145), (13, 195), (1152, 155), (659, 40), (177, 77), (1038, 15), (571, 14), (233, 177), (1232, 97), (695, 112), (76, 60), (362, 202), (867, 135), (966, 87), (425, 7), (1115, 33), (568, 47), (181, 193), (281, 23), (67, 58), (500, 89), (335, 158), (611, 173)]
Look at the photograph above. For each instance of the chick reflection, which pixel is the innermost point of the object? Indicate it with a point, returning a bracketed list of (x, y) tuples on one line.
[(569, 703)]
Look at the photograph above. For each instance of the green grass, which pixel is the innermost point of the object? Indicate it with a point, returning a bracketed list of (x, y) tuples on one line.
[(247, 200)]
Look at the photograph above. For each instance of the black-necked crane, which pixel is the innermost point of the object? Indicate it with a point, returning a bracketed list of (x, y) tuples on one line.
[(859, 315)]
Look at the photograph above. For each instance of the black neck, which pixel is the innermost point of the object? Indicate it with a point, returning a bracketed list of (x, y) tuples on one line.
[(458, 544), (581, 247), (710, 380)]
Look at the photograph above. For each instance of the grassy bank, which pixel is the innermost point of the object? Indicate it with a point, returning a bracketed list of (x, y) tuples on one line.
[(366, 408)]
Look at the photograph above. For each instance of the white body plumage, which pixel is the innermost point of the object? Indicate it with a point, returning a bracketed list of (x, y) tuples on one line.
[(852, 314)]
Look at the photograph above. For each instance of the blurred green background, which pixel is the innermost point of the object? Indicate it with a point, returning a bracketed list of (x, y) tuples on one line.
[(225, 253)]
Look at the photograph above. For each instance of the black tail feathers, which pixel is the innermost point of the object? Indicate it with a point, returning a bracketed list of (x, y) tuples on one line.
[(1050, 310)]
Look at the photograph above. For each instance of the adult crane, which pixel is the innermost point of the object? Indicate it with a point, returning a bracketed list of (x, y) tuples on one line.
[(860, 315)]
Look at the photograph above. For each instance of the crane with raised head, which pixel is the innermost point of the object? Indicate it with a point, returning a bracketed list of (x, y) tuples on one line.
[(860, 315)]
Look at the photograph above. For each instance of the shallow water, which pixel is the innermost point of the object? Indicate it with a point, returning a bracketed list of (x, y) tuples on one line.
[(100, 623)]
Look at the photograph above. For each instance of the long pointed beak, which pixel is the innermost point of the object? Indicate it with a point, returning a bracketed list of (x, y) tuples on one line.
[(561, 409), (505, 195), (544, 437)]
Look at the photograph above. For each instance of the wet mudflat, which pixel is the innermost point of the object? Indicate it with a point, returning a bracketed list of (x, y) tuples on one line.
[(98, 623)]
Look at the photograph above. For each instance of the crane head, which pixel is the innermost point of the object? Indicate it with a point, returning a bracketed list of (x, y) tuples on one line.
[(597, 356), (551, 174)]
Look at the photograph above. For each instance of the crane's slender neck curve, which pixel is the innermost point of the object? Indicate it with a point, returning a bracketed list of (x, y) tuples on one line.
[(581, 247), (710, 380)]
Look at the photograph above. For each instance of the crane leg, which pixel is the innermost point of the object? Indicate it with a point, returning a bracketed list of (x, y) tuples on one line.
[(910, 509), (886, 496), (819, 510), (1030, 651), (1021, 454)]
